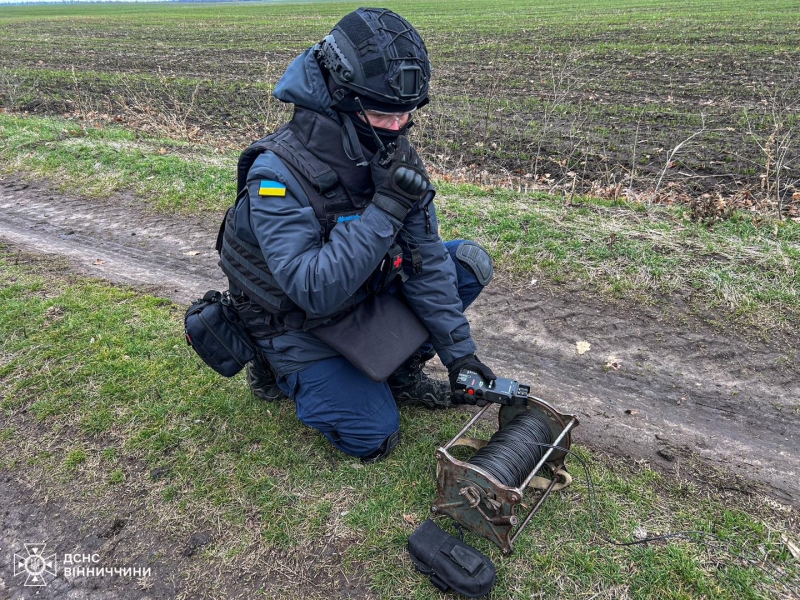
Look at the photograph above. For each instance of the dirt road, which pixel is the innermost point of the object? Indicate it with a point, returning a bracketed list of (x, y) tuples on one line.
[(658, 386)]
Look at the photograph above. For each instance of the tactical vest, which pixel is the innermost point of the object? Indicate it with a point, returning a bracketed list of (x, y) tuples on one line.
[(244, 264)]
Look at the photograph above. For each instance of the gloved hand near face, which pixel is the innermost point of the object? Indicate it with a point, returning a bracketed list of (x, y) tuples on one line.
[(400, 184), (470, 361)]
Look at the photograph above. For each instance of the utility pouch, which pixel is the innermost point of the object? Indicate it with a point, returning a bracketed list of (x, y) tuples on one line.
[(392, 265), (449, 562), (377, 336), (214, 330)]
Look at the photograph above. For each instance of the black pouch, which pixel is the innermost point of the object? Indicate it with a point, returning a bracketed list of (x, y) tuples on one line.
[(377, 336), (213, 329), (450, 563)]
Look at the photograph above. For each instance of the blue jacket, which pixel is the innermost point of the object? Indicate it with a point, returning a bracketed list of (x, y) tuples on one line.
[(321, 276)]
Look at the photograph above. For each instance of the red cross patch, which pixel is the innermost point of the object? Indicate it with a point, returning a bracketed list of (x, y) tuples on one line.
[(398, 261)]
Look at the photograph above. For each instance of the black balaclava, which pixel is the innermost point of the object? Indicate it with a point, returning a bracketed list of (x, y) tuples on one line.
[(387, 136)]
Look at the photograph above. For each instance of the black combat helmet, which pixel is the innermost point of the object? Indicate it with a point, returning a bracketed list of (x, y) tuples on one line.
[(376, 55)]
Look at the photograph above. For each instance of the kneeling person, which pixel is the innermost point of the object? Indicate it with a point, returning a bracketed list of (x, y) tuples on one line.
[(336, 209)]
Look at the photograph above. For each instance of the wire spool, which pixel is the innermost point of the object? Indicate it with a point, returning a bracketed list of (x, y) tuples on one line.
[(514, 451)]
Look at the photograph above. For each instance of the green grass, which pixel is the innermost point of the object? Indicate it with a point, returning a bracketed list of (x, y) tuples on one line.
[(174, 176), (102, 390)]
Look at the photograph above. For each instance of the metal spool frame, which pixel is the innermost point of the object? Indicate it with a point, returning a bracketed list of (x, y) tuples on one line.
[(477, 501)]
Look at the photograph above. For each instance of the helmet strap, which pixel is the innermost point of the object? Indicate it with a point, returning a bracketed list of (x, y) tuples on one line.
[(385, 157), (339, 95), (350, 141)]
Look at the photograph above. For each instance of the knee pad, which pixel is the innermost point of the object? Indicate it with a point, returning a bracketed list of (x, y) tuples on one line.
[(472, 256), (385, 450)]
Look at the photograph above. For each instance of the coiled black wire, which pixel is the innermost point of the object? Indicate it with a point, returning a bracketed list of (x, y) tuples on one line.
[(514, 450)]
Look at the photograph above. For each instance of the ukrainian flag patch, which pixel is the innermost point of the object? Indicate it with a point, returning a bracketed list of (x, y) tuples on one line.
[(271, 188)]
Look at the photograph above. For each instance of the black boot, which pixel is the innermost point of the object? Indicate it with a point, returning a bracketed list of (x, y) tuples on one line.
[(261, 380), (385, 450), (410, 386)]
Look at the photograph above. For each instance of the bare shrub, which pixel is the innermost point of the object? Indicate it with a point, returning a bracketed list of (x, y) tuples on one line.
[(670, 159), (775, 143), (11, 88)]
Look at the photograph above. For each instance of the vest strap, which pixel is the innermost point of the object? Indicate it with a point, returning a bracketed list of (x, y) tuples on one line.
[(260, 296), (289, 149)]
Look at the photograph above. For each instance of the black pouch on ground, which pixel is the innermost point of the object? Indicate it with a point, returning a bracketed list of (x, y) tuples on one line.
[(450, 563), (213, 329), (377, 336)]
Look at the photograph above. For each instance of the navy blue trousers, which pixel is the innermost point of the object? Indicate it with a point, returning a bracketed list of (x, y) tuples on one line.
[(353, 412)]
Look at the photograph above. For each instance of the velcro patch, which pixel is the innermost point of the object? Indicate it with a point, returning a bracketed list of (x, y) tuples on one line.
[(271, 188)]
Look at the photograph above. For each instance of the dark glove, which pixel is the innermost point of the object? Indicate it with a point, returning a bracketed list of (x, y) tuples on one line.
[(400, 184), (470, 361)]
